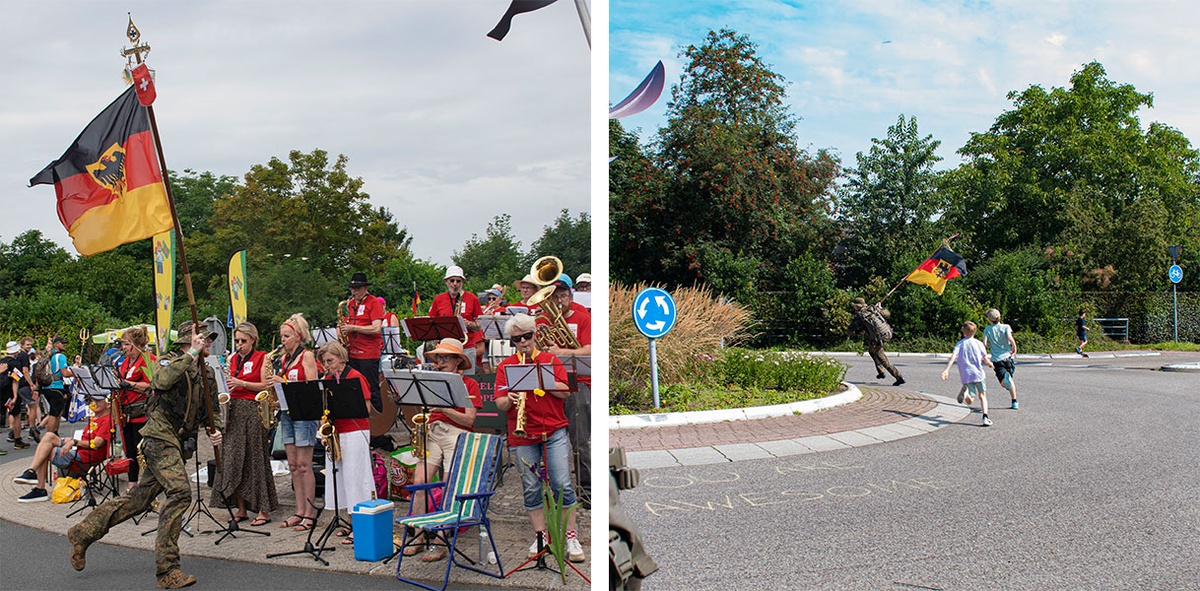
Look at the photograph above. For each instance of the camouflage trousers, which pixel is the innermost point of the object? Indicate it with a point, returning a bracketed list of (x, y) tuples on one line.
[(881, 360), (163, 471)]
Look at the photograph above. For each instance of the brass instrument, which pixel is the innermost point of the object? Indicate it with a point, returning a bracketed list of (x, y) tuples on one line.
[(420, 430), (329, 438), (223, 402), (343, 318), (267, 399), (557, 334), (522, 416), (546, 270)]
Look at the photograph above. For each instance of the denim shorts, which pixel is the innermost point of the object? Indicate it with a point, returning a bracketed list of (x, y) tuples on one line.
[(558, 465), (298, 433), (62, 460)]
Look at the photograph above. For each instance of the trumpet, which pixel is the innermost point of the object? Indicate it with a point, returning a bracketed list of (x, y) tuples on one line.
[(329, 438), (522, 416), (343, 318), (420, 426)]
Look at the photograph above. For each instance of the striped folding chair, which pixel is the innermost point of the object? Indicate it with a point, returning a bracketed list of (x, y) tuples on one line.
[(469, 486)]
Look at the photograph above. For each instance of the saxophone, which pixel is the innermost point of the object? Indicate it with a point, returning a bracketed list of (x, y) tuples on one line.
[(420, 430), (343, 318), (329, 438), (267, 399), (519, 430)]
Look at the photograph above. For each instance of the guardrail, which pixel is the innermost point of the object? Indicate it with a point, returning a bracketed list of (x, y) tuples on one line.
[(1116, 329)]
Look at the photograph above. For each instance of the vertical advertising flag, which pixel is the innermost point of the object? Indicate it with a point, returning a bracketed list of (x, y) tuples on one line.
[(237, 286), (109, 183), (164, 288)]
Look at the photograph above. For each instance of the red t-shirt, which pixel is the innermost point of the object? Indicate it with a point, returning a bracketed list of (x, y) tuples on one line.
[(580, 325), (133, 369), (247, 370), (365, 313), (476, 401), (543, 414), (469, 309), (97, 427), (348, 425), (295, 371)]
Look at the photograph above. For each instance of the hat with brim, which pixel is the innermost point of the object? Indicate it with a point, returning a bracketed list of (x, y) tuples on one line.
[(12, 347), (184, 335), (528, 279), (58, 340), (493, 292), (454, 271), (583, 278), (451, 347), (858, 302), (563, 280), (358, 280)]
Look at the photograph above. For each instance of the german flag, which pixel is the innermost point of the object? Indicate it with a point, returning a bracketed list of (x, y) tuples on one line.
[(943, 266), (109, 183), (416, 299)]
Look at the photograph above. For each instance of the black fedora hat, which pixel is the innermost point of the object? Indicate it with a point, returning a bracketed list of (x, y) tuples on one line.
[(359, 280)]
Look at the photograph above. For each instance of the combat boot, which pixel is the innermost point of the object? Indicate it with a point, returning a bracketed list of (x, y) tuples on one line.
[(78, 549), (175, 579)]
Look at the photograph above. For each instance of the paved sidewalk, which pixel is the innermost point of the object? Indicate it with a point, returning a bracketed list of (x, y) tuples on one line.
[(879, 415), (510, 526)]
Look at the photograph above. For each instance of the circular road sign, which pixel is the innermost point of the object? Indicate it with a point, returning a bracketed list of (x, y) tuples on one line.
[(1175, 273), (654, 312)]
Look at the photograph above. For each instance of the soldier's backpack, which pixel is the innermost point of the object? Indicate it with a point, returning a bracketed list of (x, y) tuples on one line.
[(42, 373), (877, 325)]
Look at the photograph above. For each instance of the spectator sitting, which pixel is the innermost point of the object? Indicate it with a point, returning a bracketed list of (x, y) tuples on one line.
[(92, 447)]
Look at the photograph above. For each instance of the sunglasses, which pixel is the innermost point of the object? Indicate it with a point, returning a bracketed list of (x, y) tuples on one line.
[(493, 299), (454, 281), (240, 341), (521, 337)]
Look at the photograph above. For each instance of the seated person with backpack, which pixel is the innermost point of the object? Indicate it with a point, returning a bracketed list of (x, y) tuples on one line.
[(90, 448)]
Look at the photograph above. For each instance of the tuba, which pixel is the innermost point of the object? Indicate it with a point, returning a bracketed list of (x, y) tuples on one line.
[(557, 334), (546, 270), (522, 416), (329, 438), (420, 430)]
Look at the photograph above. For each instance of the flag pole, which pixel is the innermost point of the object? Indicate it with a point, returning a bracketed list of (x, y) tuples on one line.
[(945, 243), (585, 19), (137, 52)]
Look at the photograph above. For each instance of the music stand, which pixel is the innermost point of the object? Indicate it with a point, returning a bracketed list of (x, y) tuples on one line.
[(517, 309), (324, 335), (343, 400), (304, 401), (391, 341), (435, 328), (493, 326), (531, 376), (428, 389)]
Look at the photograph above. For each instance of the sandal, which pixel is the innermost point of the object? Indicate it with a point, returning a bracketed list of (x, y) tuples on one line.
[(302, 526), (260, 521), (434, 554), (348, 541), (342, 532), (239, 518), (289, 523)]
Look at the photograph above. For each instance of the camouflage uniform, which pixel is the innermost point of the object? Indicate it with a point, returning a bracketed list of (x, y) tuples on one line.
[(861, 324), (174, 415)]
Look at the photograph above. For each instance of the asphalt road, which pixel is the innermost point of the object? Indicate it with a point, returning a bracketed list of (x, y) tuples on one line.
[(1091, 485)]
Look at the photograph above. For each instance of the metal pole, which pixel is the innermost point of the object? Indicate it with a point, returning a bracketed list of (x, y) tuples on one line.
[(654, 373), (585, 19), (1175, 298)]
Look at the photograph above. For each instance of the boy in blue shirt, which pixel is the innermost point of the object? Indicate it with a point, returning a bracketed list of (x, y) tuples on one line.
[(998, 338), (971, 356)]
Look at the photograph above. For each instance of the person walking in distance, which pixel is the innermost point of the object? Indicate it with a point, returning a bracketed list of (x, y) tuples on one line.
[(971, 357), (998, 338), (871, 322), (1081, 330)]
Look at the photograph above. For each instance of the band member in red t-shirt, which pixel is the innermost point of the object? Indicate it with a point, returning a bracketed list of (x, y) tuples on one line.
[(135, 384), (442, 431), (363, 329), (455, 301), (545, 434), (245, 475), (579, 405), (90, 448), (299, 364), (355, 475)]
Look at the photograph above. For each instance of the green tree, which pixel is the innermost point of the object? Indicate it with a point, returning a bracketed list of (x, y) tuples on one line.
[(888, 204), (634, 189), (21, 260), (494, 258), (568, 239)]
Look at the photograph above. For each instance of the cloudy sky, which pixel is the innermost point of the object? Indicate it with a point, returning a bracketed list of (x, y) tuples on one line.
[(447, 127), (856, 65)]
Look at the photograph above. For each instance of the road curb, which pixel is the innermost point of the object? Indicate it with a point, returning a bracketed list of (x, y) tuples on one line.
[(673, 419)]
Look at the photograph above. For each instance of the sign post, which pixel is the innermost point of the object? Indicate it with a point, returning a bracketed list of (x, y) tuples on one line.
[(654, 315), (1175, 274)]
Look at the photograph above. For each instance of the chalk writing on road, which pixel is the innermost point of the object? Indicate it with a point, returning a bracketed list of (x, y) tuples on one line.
[(727, 502), (688, 480)]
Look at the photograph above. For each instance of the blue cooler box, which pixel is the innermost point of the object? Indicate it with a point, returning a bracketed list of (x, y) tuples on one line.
[(372, 523)]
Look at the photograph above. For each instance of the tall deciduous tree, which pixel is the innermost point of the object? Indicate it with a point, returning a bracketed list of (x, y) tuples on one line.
[(494, 258), (568, 239), (888, 205)]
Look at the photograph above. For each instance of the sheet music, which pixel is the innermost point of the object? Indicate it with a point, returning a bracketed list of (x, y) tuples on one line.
[(524, 378)]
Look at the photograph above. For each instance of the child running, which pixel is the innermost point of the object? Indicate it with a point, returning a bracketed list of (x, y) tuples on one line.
[(971, 357)]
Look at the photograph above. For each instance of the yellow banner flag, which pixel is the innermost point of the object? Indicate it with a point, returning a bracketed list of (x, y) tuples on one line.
[(237, 286), (164, 288)]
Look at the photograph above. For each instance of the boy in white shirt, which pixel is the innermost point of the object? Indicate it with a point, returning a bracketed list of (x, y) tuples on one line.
[(971, 356)]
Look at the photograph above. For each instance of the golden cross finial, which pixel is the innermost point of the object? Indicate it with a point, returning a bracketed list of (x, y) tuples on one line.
[(139, 49)]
